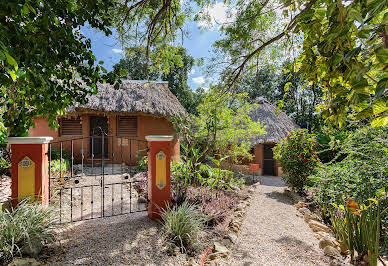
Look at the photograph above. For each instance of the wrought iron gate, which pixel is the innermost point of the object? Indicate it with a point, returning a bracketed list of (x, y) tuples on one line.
[(87, 185)]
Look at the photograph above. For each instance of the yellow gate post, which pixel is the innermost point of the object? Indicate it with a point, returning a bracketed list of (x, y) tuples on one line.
[(159, 179), (29, 168)]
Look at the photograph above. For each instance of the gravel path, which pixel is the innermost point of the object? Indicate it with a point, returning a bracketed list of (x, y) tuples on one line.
[(272, 233), (122, 240)]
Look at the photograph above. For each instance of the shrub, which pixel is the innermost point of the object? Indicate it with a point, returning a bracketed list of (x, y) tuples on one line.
[(5, 165), (360, 175), (182, 226), (56, 154), (219, 178), (297, 157), (58, 165), (23, 228), (142, 164)]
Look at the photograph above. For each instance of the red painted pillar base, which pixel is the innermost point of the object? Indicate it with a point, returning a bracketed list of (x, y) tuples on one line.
[(159, 179), (29, 166)]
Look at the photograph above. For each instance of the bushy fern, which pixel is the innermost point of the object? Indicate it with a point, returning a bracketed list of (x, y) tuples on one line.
[(182, 225), (22, 227)]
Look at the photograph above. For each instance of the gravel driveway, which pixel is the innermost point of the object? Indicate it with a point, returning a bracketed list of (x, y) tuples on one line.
[(131, 239), (272, 233)]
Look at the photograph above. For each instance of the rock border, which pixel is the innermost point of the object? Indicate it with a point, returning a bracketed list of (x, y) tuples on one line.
[(221, 248), (336, 250)]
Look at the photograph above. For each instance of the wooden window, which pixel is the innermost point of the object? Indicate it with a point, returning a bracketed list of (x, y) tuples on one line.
[(127, 126), (71, 127)]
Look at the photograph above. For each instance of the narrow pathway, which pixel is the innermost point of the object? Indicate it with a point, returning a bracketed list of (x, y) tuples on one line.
[(272, 233)]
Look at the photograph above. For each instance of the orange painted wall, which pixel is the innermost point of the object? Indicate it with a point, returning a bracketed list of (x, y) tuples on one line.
[(259, 157), (123, 149)]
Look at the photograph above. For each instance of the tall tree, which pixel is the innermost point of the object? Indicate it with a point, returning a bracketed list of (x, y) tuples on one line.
[(176, 74), (286, 89), (344, 45), (45, 61)]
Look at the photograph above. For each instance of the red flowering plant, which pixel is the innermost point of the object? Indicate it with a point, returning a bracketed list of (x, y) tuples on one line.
[(296, 154)]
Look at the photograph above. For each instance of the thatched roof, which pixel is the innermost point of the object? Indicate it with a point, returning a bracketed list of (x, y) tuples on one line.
[(278, 126), (133, 96)]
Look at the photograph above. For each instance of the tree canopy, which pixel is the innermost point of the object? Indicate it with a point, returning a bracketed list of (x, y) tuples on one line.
[(135, 67), (343, 47), (45, 61), (339, 45), (287, 90)]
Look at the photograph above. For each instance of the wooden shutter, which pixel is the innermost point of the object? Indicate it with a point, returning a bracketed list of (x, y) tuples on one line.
[(71, 127), (127, 126)]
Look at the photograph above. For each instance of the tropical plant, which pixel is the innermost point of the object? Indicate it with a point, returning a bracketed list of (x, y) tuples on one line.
[(24, 227), (5, 165), (219, 178), (361, 174), (56, 154), (58, 165), (182, 226), (223, 127), (42, 76), (297, 156), (342, 47), (142, 164), (359, 226)]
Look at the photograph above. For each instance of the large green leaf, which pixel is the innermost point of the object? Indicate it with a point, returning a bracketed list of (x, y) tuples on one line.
[(380, 121)]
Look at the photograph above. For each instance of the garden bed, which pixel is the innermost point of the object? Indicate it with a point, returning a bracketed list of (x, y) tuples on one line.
[(131, 239)]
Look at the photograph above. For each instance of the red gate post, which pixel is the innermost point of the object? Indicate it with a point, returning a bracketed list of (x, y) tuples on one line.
[(29, 168), (159, 179)]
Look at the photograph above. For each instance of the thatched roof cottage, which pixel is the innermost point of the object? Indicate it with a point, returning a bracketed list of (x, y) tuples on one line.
[(277, 127), (125, 116)]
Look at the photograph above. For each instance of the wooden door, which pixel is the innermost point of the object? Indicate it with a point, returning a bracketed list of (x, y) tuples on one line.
[(99, 131), (268, 160)]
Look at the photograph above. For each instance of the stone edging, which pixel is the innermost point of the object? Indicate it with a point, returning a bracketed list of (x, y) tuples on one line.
[(221, 248), (332, 248)]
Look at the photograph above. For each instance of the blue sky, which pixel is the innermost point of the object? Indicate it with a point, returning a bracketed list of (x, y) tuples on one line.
[(198, 44)]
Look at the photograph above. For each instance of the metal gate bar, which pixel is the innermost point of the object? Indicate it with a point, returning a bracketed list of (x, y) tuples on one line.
[(75, 182)]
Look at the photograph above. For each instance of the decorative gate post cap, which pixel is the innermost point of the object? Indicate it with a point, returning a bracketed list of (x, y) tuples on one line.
[(159, 138), (28, 140)]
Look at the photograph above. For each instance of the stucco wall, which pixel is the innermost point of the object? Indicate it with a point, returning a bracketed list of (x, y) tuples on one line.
[(124, 149), (259, 157)]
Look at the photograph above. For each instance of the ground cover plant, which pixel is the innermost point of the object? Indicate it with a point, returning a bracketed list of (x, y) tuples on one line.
[(351, 194), (216, 205), (297, 156), (25, 228)]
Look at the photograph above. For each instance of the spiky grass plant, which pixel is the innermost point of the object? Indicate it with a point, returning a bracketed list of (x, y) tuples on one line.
[(182, 226), (24, 226)]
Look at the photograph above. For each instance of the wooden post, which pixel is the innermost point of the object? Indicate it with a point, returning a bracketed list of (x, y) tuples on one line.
[(29, 168), (159, 179)]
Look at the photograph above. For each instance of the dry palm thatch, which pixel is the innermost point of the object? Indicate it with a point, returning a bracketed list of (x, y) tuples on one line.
[(133, 96), (277, 125)]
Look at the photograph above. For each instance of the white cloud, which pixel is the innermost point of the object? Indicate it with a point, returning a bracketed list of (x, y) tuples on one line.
[(198, 80), (192, 72), (117, 51), (219, 13)]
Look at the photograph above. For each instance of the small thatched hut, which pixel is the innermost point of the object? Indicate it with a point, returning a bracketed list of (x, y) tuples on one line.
[(135, 110), (277, 127)]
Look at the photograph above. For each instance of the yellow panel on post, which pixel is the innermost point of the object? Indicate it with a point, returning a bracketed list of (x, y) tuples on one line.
[(26, 178), (160, 170)]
